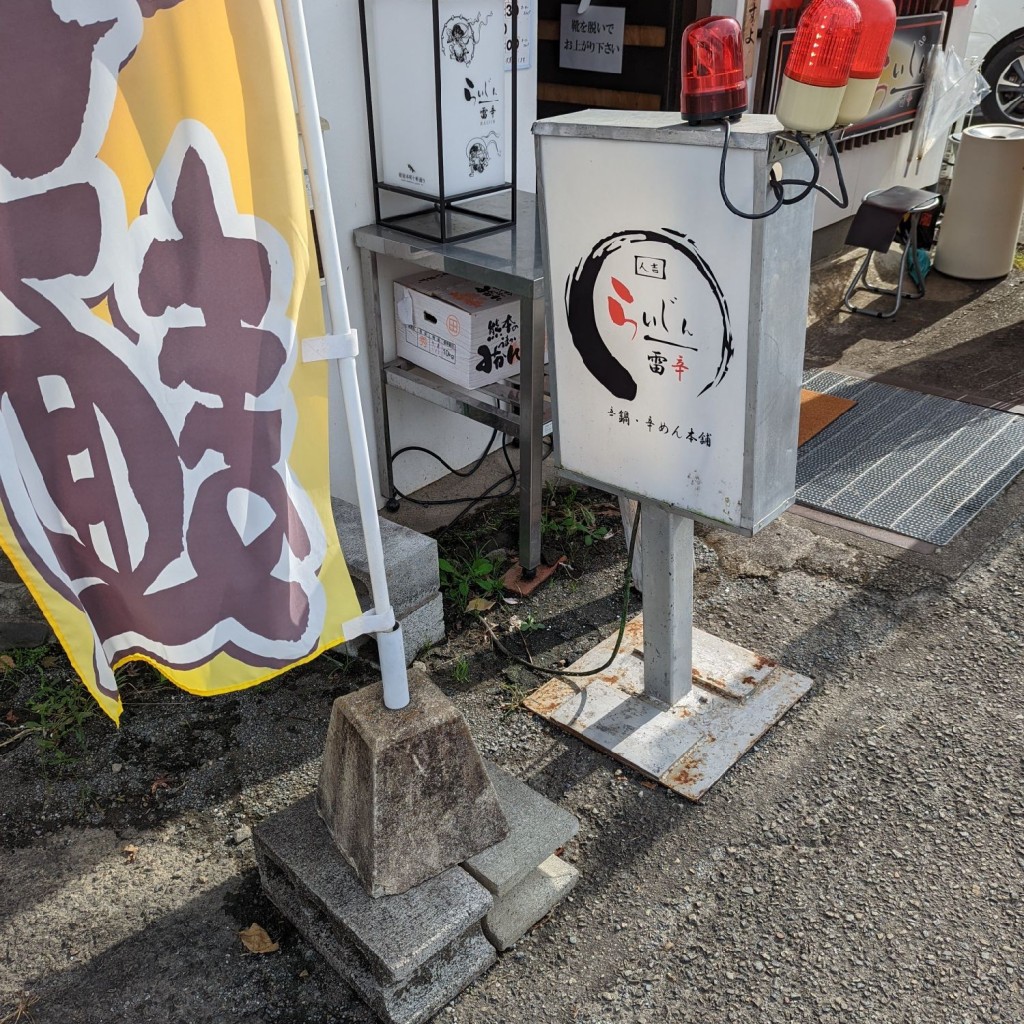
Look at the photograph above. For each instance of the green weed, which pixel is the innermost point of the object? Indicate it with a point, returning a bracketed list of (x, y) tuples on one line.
[(20, 661), (570, 519), (530, 624), (341, 664), (513, 696), (461, 578), (460, 671), (61, 708), (21, 667)]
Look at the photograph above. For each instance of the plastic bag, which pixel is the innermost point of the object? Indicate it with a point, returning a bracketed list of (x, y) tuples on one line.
[(952, 90)]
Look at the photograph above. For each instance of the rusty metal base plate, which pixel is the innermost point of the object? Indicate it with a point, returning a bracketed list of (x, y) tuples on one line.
[(736, 698), (516, 584)]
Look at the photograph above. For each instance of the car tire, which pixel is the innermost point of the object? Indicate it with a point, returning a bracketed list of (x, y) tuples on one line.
[(1004, 72)]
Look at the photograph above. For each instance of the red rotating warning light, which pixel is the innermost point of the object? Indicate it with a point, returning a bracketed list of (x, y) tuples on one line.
[(714, 86), (819, 65), (878, 24)]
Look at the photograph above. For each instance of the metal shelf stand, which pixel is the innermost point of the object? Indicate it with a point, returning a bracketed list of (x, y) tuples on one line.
[(518, 406)]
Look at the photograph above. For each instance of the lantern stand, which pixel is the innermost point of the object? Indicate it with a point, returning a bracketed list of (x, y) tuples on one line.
[(675, 703), (443, 217)]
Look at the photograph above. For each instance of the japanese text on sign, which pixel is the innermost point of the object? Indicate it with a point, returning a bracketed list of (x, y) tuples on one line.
[(624, 418), (592, 41), (502, 345), (524, 34)]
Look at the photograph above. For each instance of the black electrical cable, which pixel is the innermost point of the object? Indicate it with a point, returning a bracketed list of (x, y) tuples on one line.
[(808, 186), (469, 501), (481, 497), (473, 502), (426, 503), (623, 619), (778, 186), (458, 472), (844, 201), (512, 477)]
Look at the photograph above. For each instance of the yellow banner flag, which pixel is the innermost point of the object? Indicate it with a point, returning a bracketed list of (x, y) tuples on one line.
[(163, 449)]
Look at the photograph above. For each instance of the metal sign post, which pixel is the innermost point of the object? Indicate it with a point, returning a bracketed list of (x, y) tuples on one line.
[(667, 552), (678, 333)]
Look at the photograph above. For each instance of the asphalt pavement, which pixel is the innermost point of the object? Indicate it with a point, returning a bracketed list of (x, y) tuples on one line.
[(863, 863)]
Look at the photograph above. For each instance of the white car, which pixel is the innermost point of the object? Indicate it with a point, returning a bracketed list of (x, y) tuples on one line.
[(997, 41)]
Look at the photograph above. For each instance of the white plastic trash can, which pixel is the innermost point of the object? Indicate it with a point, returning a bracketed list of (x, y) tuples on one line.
[(978, 237)]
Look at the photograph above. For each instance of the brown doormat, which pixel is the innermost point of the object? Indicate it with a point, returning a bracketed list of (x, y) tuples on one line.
[(817, 411)]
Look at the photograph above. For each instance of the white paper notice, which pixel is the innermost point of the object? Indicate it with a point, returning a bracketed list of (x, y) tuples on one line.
[(592, 41), (524, 32)]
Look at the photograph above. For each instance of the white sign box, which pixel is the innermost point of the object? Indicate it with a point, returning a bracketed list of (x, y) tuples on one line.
[(677, 327), (472, 75)]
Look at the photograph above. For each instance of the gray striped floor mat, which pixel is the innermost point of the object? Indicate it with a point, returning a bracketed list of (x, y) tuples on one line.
[(916, 464)]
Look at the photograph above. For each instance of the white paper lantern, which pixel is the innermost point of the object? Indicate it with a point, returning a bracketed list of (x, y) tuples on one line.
[(436, 104)]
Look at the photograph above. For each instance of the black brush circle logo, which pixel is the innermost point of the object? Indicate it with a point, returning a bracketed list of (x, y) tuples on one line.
[(580, 290)]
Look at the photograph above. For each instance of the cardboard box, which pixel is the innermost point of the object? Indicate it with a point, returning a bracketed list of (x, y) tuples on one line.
[(464, 332)]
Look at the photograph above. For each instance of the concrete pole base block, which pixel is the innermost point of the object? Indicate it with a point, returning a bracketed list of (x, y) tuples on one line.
[(406, 956), (515, 913), (404, 794)]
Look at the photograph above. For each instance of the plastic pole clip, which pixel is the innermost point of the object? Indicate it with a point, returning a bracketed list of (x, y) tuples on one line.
[(331, 346)]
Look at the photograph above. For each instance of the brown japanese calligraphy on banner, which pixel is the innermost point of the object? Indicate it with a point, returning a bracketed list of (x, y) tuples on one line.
[(163, 462)]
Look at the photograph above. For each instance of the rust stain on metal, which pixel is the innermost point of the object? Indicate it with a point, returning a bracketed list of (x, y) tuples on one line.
[(634, 634), (687, 772), (760, 662), (550, 697)]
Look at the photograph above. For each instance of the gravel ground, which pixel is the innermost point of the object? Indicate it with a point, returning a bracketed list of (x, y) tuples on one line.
[(863, 863)]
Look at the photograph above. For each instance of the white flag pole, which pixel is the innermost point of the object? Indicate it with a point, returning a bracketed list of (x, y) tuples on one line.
[(342, 346)]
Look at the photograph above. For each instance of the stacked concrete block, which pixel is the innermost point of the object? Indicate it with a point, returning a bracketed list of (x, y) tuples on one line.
[(525, 877), (368, 868), (406, 956), (21, 622), (410, 563)]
